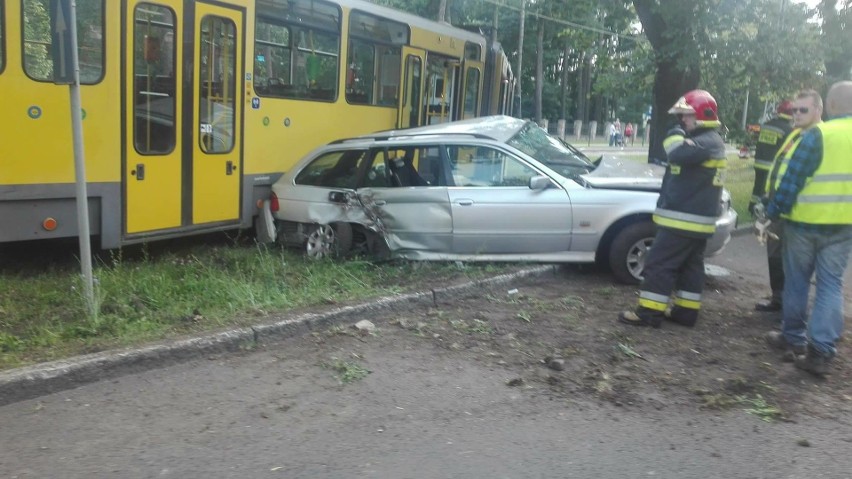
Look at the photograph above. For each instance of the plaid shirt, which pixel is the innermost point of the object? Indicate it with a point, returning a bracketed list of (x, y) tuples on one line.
[(803, 164)]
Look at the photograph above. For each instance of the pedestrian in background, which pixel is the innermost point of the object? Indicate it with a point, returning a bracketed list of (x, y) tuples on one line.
[(685, 216), (772, 135), (806, 111), (628, 133), (815, 197)]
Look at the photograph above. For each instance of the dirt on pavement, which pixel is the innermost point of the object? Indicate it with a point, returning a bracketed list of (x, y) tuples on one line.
[(560, 330)]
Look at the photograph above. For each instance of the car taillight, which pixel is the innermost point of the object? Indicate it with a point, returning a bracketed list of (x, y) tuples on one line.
[(273, 202)]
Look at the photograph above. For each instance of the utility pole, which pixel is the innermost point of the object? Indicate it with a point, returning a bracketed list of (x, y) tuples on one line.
[(519, 75), (745, 110), (442, 10)]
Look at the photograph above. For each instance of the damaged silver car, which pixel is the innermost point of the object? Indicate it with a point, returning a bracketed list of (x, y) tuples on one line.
[(488, 189)]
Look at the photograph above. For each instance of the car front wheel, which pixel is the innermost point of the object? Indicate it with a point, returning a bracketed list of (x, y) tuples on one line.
[(629, 250)]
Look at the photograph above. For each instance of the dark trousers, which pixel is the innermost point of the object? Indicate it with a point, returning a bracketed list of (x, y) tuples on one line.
[(674, 264), (773, 256)]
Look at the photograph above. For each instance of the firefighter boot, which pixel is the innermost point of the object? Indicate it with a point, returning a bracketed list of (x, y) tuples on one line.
[(642, 317), (683, 316)]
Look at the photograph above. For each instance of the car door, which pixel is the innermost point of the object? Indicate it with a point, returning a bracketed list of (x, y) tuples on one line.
[(409, 200), (496, 212)]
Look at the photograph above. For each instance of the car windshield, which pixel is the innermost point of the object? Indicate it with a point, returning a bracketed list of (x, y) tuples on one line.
[(552, 152)]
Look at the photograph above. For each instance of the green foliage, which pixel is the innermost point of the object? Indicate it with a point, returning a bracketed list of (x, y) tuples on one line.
[(154, 296), (348, 371)]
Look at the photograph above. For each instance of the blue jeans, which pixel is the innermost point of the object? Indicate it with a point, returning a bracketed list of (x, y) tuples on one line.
[(806, 252)]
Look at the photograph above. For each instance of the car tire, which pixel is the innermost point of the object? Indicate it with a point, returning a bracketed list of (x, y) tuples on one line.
[(629, 250), (334, 240)]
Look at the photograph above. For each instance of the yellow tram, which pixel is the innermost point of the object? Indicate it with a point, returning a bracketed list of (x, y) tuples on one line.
[(192, 109)]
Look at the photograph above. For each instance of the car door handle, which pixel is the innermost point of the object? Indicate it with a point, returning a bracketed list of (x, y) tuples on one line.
[(380, 202), (464, 202)]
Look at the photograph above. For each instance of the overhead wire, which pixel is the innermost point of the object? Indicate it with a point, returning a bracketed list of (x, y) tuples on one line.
[(565, 22)]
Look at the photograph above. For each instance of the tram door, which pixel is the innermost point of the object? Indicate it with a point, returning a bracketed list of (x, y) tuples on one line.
[(182, 162), (217, 114), (411, 112)]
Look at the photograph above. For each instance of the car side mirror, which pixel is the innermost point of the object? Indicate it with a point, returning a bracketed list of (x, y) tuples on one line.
[(540, 182)]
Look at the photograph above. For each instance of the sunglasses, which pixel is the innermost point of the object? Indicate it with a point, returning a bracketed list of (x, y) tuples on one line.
[(802, 110)]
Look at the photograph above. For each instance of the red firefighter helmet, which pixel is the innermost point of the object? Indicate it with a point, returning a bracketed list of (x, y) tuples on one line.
[(785, 109), (702, 104)]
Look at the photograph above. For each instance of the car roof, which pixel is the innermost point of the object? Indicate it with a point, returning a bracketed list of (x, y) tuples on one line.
[(498, 127)]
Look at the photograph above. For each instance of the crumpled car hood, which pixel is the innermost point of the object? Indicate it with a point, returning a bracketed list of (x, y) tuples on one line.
[(617, 173)]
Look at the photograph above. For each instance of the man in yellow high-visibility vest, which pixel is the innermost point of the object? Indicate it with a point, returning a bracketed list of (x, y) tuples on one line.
[(806, 110), (815, 198)]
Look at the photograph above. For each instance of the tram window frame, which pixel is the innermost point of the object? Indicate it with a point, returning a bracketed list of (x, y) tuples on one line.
[(169, 135), (42, 55), (472, 92), (218, 128), (383, 39), (473, 51), (2, 36), (304, 24)]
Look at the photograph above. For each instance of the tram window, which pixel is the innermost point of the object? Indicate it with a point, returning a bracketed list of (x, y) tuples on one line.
[(154, 52), (372, 77), (373, 66), (471, 93), (272, 58), (217, 84), (297, 49), (472, 51), (295, 62), (38, 63)]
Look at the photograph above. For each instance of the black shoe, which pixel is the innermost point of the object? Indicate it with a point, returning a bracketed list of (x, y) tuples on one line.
[(768, 305), (629, 317), (813, 362)]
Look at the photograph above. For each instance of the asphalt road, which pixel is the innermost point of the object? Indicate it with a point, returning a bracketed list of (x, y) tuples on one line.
[(273, 413)]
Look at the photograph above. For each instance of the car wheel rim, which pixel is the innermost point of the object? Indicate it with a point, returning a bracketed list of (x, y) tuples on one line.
[(636, 257), (320, 242)]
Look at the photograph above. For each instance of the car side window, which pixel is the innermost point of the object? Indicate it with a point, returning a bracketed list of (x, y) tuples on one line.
[(377, 175), (335, 169), (487, 167), (407, 166)]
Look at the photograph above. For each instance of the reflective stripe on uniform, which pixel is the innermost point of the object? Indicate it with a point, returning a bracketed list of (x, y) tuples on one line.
[(824, 199), (684, 225), (762, 165), (672, 142), (685, 303), (655, 301), (686, 299), (715, 164), (831, 178), (685, 221)]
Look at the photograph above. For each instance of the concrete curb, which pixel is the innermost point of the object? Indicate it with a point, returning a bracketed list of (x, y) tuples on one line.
[(41, 379)]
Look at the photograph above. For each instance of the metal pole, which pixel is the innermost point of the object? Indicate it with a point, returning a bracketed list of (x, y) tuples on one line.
[(745, 111), (520, 74), (80, 168)]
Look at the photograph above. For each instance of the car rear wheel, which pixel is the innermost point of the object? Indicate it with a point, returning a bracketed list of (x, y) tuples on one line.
[(629, 250), (332, 240)]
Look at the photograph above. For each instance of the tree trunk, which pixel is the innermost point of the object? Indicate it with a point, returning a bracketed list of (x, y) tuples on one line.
[(677, 72), (539, 70), (520, 73), (670, 82)]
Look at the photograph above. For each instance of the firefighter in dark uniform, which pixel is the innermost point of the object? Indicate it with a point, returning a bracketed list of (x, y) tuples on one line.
[(685, 216), (773, 133)]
